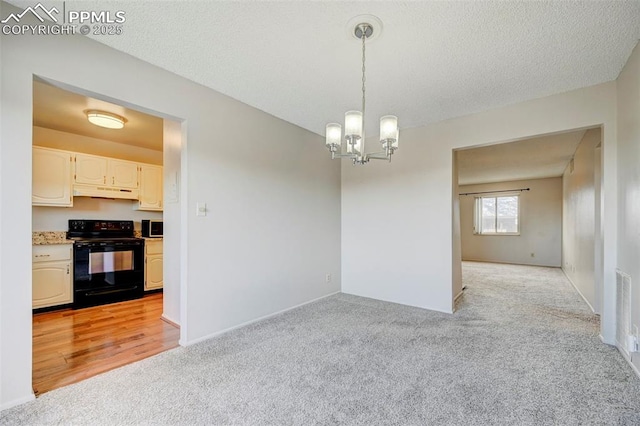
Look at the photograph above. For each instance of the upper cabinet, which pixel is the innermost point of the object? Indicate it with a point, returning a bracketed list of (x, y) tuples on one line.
[(94, 170), (52, 174), (150, 197), (58, 176), (123, 174), (90, 170)]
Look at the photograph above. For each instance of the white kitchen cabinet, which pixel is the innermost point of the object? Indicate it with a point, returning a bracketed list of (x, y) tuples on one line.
[(153, 264), (123, 174), (90, 170), (150, 196), (103, 171), (52, 178), (52, 272)]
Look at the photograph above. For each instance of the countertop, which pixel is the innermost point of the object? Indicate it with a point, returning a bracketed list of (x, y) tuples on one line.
[(40, 238), (43, 238)]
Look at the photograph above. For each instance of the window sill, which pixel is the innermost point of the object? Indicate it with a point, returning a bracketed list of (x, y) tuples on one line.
[(498, 234)]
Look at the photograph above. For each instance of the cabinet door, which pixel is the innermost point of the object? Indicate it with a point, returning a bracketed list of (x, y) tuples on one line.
[(51, 283), (153, 272), (150, 197), (51, 178), (91, 170), (123, 174)]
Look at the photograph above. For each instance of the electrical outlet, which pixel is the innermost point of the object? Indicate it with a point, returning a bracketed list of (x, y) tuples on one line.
[(327, 278)]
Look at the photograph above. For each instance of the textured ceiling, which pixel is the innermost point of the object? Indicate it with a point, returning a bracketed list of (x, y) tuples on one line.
[(535, 158), (58, 109), (433, 61)]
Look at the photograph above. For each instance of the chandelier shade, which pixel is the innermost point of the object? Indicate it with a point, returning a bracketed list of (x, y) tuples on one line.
[(334, 135)]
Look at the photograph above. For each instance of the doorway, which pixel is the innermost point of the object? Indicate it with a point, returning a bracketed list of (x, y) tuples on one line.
[(534, 202), (85, 342)]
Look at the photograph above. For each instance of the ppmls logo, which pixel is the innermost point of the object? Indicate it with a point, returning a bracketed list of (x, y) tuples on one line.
[(73, 21)]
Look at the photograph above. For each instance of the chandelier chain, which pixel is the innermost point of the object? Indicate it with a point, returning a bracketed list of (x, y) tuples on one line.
[(364, 37)]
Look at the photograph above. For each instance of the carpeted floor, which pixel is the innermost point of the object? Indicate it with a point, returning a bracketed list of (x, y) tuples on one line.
[(522, 349)]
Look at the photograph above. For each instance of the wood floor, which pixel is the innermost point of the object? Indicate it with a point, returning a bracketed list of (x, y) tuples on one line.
[(73, 345)]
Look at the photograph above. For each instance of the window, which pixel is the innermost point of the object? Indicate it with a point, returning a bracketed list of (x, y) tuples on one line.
[(497, 215)]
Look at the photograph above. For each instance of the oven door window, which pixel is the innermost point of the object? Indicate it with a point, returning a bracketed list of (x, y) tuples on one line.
[(110, 261), (105, 266)]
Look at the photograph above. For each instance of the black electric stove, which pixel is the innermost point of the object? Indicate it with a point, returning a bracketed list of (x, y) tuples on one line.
[(108, 262)]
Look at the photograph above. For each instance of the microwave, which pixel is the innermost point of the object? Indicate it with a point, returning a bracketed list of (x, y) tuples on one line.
[(152, 228)]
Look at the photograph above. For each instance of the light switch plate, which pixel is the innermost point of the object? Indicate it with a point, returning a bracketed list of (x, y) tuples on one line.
[(201, 209)]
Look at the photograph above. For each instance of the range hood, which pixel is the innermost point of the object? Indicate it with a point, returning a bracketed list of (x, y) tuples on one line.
[(105, 192)]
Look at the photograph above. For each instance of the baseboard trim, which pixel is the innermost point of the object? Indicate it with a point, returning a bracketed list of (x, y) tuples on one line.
[(17, 402), (628, 359), (500, 262), (244, 324), (428, 308), (578, 291), (169, 321)]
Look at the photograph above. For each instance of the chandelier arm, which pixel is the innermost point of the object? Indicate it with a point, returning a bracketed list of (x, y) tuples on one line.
[(335, 155), (374, 157)]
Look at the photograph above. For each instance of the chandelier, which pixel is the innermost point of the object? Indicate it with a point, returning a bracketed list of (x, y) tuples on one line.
[(354, 137)]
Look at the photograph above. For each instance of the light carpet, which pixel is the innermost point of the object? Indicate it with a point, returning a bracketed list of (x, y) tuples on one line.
[(522, 349)]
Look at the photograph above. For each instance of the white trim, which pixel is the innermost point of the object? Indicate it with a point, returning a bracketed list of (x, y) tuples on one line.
[(579, 292), (244, 324), (444, 311), (16, 402), (170, 320), (500, 262), (628, 359), (497, 234)]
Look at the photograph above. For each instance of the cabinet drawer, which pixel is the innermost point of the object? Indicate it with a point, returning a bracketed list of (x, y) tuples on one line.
[(153, 247), (50, 253)]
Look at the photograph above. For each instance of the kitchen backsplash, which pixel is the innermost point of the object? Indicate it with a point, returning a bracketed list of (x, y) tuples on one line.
[(57, 218)]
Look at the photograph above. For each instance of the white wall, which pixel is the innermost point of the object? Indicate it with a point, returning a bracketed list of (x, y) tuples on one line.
[(57, 218), (629, 180), (456, 274), (173, 218), (397, 226), (540, 225), (272, 230), (579, 218), (71, 142)]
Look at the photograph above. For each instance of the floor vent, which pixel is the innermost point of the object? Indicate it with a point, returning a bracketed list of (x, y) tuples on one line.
[(623, 310)]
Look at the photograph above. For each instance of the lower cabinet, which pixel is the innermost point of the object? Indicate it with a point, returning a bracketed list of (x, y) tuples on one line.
[(52, 272), (153, 264)]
